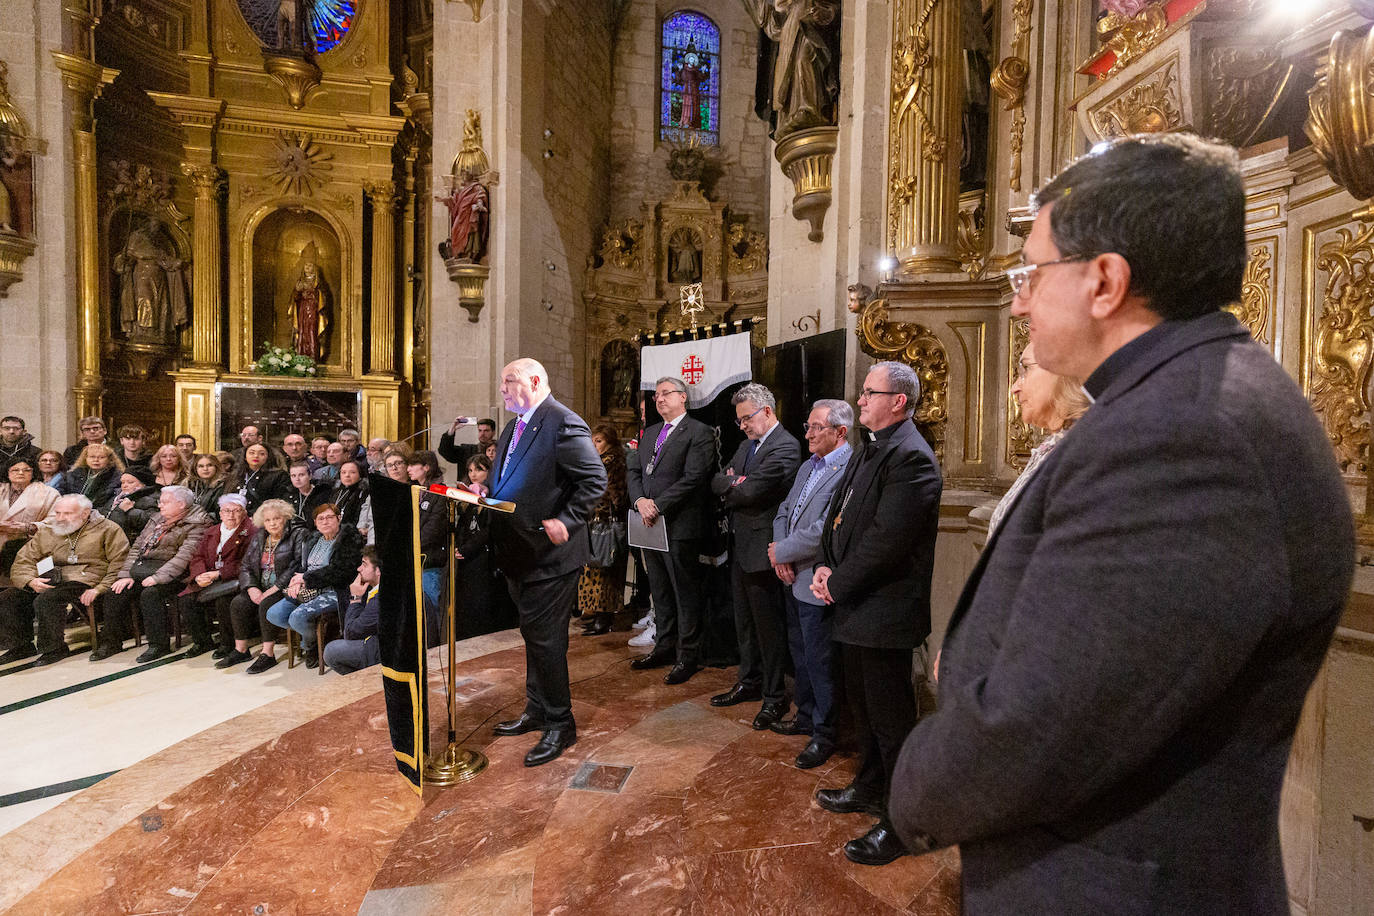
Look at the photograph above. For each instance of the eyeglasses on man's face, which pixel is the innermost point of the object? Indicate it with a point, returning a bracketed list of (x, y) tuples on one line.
[(662, 395), (1018, 277), (745, 419), (870, 392), (817, 428)]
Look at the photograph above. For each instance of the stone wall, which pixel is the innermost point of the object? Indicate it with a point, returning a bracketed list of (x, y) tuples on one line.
[(39, 317)]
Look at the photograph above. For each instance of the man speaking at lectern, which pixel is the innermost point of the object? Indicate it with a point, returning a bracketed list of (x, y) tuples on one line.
[(546, 465)]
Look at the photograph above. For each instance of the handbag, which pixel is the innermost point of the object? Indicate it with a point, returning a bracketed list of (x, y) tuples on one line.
[(143, 568), (606, 536), (222, 589)]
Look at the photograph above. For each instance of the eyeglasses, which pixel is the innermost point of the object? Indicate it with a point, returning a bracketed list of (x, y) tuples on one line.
[(1017, 276), (743, 420), (817, 427), (658, 395), (869, 392), (1022, 367)]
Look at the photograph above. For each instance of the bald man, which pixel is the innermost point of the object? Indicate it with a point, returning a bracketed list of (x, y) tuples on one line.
[(545, 464)]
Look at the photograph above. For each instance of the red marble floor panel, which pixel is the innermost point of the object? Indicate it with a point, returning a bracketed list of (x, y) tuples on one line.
[(782, 880)]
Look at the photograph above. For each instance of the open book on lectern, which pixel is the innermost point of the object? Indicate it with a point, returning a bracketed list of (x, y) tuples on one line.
[(472, 499)]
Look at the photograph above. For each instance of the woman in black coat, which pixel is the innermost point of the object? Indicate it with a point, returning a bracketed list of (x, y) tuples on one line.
[(257, 481), (207, 482), (268, 564), (352, 492), (326, 562), (95, 476), (136, 502)]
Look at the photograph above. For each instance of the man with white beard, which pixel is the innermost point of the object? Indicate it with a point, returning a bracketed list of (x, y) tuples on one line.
[(75, 555)]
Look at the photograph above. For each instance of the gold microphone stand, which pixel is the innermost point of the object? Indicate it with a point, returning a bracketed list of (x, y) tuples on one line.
[(453, 763)]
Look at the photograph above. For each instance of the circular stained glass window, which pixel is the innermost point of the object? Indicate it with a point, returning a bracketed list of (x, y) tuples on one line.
[(326, 22)]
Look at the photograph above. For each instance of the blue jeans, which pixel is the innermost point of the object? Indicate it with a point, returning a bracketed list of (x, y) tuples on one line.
[(431, 582), (301, 617), (808, 635)]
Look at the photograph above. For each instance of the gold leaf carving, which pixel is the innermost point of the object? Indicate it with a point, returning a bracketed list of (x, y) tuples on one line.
[(1344, 347), (1255, 295), (969, 243), (1021, 436), (919, 348), (298, 165), (1244, 84), (1129, 38), (620, 245), (747, 252), (1146, 108)]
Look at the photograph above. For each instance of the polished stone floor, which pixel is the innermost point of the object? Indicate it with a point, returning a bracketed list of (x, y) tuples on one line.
[(664, 805)]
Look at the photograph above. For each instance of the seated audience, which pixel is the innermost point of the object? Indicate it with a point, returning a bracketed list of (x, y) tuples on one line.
[(249, 436), (186, 444), (352, 445), (95, 476), (329, 471), (24, 502), (153, 574), (87, 552), (376, 453), (294, 448), (92, 433), (257, 481), (207, 482), (326, 561), (306, 495), (358, 648), (394, 466), (319, 450), (136, 502), (213, 579), (132, 445), (423, 469), (351, 495), (16, 442), (227, 462), (267, 566), (52, 468), (170, 467)]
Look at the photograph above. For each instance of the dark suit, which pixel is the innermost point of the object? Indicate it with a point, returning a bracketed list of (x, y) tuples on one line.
[(679, 485), (752, 495), (1124, 671), (879, 542), (556, 473)]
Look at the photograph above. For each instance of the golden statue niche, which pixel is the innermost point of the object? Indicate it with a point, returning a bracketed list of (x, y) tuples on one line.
[(296, 268), (309, 311)]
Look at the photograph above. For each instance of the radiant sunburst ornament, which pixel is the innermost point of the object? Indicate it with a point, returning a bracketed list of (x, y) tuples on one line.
[(298, 165), (693, 301)]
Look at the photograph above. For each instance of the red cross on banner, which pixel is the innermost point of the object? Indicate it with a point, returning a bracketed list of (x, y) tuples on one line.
[(693, 369)]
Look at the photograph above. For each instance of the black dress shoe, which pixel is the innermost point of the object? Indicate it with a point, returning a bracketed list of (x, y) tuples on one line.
[(526, 723), (681, 673), (312, 658), (653, 660), (105, 650), (18, 654), (221, 652), (235, 657), (152, 654), (196, 649), (816, 753), (879, 846), (769, 715), (599, 625), (50, 658), (789, 727), (553, 742), (849, 801), (737, 694)]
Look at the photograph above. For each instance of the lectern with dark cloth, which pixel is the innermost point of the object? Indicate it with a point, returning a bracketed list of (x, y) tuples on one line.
[(402, 632)]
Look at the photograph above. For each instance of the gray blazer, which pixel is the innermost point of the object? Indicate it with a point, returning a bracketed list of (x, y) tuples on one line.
[(753, 501), (1124, 671), (800, 543)]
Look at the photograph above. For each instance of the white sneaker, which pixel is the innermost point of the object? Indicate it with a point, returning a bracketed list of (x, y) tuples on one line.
[(646, 621), (645, 639)]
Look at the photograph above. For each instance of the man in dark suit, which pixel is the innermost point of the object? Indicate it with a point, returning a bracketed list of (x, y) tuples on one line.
[(545, 464), (1125, 669), (752, 486), (877, 552), (669, 478)]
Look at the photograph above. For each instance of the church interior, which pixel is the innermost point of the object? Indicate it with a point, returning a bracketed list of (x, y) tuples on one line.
[(321, 214)]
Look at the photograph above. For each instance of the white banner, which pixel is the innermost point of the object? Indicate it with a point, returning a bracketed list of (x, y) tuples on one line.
[(708, 366)]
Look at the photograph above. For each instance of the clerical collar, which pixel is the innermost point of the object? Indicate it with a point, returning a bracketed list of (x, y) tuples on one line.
[(1114, 366), (886, 432)]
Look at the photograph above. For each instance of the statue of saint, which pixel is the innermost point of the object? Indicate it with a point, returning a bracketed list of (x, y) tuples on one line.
[(152, 292), (309, 310), (469, 222), (693, 73), (684, 258), (805, 79)]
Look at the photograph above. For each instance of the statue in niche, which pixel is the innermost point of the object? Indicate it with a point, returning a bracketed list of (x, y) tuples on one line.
[(805, 69), (290, 15), (619, 365), (152, 292), (309, 311), (469, 220), (684, 257)]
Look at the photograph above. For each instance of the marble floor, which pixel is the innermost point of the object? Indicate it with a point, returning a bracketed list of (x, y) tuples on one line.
[(665, 805)]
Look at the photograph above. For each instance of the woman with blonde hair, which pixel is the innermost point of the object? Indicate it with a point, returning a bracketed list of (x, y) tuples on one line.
[(95, 476), (169, 467)]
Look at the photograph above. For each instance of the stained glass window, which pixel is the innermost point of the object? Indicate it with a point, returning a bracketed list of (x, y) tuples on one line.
[(330, 21), (325, 27), (690, 80)]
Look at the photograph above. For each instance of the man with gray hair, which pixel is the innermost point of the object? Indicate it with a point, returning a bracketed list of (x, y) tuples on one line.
[(795, 549), (74, 556), (751, 487), (876, 555), (153, 573)]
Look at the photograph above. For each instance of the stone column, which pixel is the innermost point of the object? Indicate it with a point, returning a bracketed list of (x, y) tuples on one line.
[(923, 152), (383, 327), (84, 80), (207, 180)]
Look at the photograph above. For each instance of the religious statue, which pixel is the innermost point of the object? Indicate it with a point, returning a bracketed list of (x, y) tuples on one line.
[(289, 16), (684, 258), (469, 220), (309, 311), (805, 77), (152, 293), (859, 294)]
